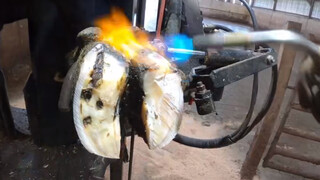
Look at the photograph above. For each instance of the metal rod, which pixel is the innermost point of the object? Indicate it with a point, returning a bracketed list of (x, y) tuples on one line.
[(131, 154), (186, 51), (160, 18), (246, 38), (116, 169)]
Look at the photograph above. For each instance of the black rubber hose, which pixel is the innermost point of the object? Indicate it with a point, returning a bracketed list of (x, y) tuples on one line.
[(252, 15), (227, 140), (267, 104), (203, 143), (255, 86), (244, 130), (237, 135)]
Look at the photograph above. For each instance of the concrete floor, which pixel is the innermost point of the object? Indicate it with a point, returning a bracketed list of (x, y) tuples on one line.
[(21, 159)]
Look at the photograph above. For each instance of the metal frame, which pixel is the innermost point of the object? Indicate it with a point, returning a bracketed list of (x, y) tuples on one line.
[(220, 77), (312, 2), (237, 71), (220, 70)]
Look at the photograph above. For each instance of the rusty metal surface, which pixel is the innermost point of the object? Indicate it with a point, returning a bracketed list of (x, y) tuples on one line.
[(160, 18), (236, 71)]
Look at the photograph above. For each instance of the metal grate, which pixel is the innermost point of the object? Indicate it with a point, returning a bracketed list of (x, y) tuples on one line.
[(301, 7), (264, 4), (316, 10)]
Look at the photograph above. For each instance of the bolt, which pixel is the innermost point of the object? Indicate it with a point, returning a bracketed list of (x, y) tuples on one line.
[(270, 60)]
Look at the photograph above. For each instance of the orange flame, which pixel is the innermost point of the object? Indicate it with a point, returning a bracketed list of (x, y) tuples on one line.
[(118, 32)]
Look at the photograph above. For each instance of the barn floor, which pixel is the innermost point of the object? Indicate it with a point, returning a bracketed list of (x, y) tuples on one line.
[(21, 159)]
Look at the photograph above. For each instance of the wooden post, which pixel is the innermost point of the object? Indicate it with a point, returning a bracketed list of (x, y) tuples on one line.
[(261, 139)]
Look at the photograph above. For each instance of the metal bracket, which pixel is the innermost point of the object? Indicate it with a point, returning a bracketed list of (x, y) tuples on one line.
[(220, 77), (236, 71)]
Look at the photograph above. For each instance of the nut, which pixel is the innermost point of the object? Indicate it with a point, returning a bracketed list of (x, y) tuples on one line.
[(270, 60)]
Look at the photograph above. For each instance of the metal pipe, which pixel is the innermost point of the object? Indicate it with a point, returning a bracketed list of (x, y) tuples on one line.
[(160, 17), (186, 51), (131, 154), (246, 38)]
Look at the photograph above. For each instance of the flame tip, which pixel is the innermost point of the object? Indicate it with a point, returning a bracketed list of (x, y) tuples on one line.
[(116, 30)]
